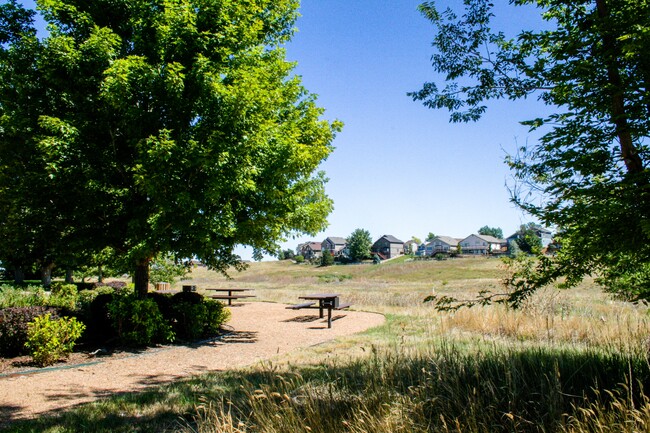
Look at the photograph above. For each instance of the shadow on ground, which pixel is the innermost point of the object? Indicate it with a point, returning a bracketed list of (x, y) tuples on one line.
[(541, 386)]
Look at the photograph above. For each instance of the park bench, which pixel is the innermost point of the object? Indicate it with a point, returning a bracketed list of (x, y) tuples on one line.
[(299, 306)]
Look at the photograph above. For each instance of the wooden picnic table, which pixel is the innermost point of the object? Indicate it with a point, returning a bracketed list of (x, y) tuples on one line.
[(329, 301), (232, 293)]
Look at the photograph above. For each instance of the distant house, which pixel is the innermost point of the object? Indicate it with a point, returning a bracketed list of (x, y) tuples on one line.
[(388, 247), (442, 244), (545, 235), (482, 244), (334, 245), (422, 248), (310, 250), (410, 247)]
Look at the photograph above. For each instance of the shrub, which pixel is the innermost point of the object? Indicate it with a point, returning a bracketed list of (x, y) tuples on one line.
[(98, 320), (193, 321), (117, 286), (190, 297), (299, 258), (326, 259), (63, 295), (49, 340), (138, 322), (14, 325)]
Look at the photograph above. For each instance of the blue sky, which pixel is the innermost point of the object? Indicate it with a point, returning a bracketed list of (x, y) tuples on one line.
[(398, 167)]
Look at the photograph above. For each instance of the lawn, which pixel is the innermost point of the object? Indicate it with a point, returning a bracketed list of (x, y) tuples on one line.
[(567, 361)]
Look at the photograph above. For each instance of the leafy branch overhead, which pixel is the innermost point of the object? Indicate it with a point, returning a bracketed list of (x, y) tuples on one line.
[(587, 175), (176, 129)]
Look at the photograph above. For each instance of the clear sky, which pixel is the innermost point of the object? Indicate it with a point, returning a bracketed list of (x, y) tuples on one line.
[(400, 168)]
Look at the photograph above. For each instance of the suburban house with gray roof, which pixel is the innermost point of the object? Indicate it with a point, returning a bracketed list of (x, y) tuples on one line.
[(387, 247), (442, 244), (482, 244), (335, 245)]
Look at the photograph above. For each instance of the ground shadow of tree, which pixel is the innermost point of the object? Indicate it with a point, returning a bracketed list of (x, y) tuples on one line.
[(539, 386)]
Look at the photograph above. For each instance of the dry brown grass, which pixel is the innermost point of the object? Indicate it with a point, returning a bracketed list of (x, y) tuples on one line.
[(583, 316)]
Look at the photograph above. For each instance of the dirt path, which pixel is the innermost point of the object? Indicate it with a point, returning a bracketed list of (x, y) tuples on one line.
[(261, 332)]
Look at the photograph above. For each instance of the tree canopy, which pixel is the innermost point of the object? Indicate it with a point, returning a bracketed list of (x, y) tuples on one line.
[(358, 244), (587, 175), (166, 127), (491, 231)]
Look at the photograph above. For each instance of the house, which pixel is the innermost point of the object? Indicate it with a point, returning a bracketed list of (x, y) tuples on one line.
[(334, 245), (442, 244), (421, 252), (482, 244), (544, 234), (388, 247), (410, 247), (310, 250)]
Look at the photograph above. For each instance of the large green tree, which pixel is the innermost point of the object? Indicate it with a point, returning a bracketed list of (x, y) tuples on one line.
[(358, 244), (176, 125), (587, 175), (491, 231)]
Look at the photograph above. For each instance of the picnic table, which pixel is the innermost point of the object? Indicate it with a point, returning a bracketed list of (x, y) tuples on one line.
[(329, 301), (230, 294)]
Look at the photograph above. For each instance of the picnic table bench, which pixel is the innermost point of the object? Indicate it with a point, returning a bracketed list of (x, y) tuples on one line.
[(232, 293), (329, 301)]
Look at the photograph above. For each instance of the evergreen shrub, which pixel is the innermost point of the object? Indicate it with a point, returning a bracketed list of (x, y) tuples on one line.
[(139, 322)]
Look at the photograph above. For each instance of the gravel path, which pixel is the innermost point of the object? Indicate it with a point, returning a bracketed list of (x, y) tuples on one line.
[(261, 331)]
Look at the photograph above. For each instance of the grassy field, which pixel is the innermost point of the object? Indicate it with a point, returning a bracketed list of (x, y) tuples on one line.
[(567, 361)]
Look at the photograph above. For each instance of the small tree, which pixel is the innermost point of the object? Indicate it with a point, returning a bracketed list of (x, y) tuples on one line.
[(327, 259), (359, 244), (528, 240), (165, 269), (431, 236)]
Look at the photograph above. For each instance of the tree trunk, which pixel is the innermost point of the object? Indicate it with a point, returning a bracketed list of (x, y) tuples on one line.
[(68, 276), (19, 276), (141, 278), (46, 274), (629, 151), (100, 274)]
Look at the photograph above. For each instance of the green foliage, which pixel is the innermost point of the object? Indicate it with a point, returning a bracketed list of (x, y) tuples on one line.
[(334, 278), (358, 244), (18, 296), (431, 236), (165, 269), (528, 240), (326, 259), (491, 231), (63, 295), (287, 254), (196, 320), (299, 258), (587, 174), (49, 340), (14, 323), (138, 322), (179, 128)]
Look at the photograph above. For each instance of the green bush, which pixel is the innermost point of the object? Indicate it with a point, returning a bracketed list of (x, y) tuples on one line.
[(138, 322), (21, 296), (49, 340), (299, 258), (195, 320), (14, 323), (63, 295)]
